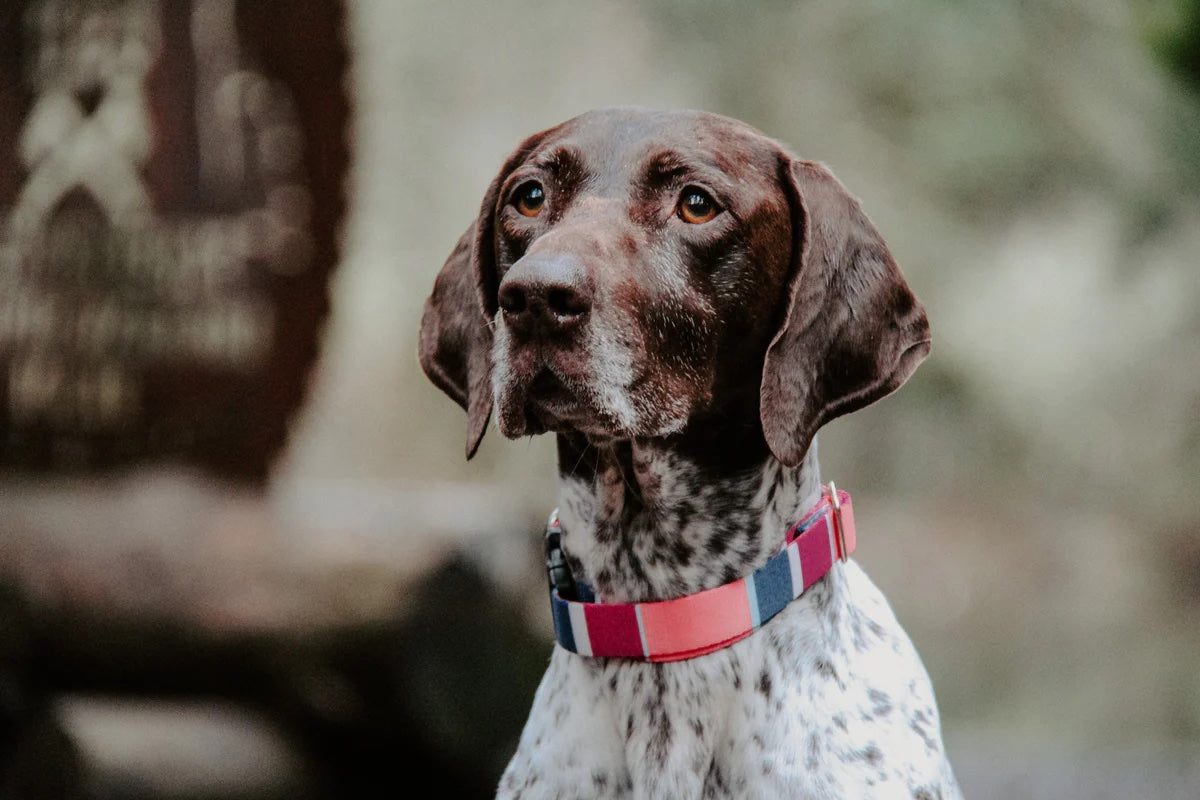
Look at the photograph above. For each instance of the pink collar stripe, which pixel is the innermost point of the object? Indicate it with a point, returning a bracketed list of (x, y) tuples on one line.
[(690, 626)]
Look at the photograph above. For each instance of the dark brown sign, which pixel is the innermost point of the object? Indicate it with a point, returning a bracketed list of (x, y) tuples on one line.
[(171, 184)]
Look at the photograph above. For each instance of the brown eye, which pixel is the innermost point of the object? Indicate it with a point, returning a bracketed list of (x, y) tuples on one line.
[(696, 206), (529, 198)]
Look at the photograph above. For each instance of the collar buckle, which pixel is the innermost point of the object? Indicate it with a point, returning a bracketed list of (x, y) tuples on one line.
[(838, 525), (558, 574)]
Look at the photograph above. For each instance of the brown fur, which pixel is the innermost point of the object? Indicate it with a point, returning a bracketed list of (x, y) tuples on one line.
[(807, 298)]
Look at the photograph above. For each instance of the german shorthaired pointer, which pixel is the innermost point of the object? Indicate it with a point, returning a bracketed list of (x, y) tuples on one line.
[(684, 303)]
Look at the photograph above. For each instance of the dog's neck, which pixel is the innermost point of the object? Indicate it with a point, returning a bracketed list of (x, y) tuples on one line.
[(654, 519)]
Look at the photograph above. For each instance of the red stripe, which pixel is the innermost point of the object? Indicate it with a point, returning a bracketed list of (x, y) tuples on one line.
[(613, 629), (815, 558)]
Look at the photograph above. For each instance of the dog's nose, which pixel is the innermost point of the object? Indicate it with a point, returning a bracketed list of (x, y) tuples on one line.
[(549, 293)]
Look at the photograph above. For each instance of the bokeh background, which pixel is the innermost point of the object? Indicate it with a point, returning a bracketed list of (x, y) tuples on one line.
[(373, 612)]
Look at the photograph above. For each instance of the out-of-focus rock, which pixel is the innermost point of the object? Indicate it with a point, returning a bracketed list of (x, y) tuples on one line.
[(179, 750)]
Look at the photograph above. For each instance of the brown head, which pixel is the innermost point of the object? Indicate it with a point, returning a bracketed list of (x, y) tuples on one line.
[(632, 271)]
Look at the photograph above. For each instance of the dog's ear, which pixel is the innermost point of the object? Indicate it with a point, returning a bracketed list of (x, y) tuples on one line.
[(852, 330), (456, 342), (455, 348)]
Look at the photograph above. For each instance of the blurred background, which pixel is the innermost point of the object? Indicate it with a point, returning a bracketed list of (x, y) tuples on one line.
[(241, 554)]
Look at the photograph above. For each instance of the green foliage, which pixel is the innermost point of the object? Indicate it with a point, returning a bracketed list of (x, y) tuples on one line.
[(1173, 34)]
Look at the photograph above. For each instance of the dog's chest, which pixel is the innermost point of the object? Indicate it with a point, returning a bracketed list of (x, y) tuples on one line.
[(815, 704)]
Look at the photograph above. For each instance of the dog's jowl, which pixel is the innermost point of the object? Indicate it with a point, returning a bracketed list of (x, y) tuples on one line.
[(683, 303)]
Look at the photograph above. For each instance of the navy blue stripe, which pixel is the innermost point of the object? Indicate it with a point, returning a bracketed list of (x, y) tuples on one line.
[(773, 585), (562, 622)]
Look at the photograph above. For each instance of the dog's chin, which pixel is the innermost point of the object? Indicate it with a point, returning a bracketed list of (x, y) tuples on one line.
[(549, 404), (546, 404)]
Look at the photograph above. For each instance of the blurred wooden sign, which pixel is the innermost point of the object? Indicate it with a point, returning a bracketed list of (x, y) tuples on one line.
[(171, 185)]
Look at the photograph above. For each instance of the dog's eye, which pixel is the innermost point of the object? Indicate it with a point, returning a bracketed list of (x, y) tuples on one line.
[(696, 206), (529, 198)]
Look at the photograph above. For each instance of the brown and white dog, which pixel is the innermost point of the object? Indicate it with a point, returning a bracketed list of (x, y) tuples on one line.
[(684, 303)]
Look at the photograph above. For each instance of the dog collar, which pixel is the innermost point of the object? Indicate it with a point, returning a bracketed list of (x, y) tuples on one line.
[(690, 626)]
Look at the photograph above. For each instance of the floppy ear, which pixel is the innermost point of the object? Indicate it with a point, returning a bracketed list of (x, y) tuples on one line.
[(455, 348), (852, 331)]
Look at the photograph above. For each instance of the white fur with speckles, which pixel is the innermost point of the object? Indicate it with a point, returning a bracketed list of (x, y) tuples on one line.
[(828, 700)]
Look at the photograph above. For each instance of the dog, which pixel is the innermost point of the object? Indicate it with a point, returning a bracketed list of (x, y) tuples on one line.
[(684, 303)]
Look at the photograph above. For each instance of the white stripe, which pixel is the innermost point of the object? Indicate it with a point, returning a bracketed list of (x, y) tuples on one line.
[(793, 552), (752, 594), (833, 552), (641, 630), (583, 642)]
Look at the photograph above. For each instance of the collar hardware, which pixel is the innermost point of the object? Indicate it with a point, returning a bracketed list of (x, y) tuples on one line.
[(838, 525), (557, 571)]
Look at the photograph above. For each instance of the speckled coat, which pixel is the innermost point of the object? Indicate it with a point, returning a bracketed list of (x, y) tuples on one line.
[(827, 700)]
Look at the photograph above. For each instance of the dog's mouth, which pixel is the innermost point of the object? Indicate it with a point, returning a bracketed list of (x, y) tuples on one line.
[(553, 404)]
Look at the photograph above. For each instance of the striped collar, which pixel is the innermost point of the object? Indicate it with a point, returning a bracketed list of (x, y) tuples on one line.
[(690, 626)]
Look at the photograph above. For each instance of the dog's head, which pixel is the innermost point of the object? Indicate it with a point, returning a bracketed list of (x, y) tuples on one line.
[(632, 271)]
